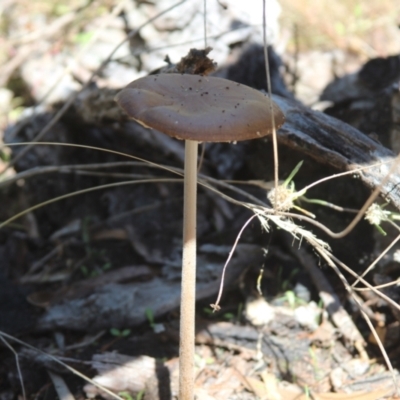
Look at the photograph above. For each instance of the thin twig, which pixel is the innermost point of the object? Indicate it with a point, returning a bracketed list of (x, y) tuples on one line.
[(16, 363), (83, 191), (55, 359), (216, 306), (268, 78), (381, 255)]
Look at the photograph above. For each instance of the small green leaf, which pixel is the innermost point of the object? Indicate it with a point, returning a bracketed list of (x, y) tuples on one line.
[(83, 37), (293, 173), (127, 395), (208, 311), (380, 229), (125, 332), (150, 316), (229, 316), (4, 156), (115, 332), (291, 298)]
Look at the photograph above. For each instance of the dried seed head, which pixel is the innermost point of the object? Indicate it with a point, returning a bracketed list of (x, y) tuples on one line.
[(376, 214), (282, 199)]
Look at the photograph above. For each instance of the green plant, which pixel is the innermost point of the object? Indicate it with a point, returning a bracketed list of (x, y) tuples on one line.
[(376, 214), (307, 392), (5, 155), (128, 396), (228, 316), (120, 333), (125, 395), (157, 328), (283, 197), (150, 317), (291, 298), (83, 37), (140, 395), (91, 273)]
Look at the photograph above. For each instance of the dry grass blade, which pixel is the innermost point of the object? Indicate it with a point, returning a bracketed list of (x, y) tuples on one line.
[(79, 192), (21, 378)]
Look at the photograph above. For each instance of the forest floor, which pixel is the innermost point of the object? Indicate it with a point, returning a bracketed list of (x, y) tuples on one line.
[(90, 281)]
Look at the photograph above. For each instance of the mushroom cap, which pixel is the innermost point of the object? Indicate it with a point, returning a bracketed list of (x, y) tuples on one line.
[(204, 109)]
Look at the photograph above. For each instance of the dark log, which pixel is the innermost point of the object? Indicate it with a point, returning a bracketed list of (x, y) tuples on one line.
[(122, 305), (333, 142), (325, 139)]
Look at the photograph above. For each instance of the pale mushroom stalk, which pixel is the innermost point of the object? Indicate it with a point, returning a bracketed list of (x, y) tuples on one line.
[(188, 291), (196, 109)]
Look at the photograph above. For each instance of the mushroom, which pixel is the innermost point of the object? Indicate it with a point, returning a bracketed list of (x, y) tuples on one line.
[(196, 109)]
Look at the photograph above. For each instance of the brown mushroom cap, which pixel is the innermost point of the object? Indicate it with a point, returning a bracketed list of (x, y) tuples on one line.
[(194, 107)]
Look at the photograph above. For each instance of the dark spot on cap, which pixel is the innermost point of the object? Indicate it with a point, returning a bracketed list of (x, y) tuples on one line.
[(223, 111), (190, 88), (227, 87)]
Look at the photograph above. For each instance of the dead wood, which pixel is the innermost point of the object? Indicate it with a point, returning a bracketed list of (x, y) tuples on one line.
[(375, 76), (85, 287), (324, 138), (333, 142), (121, 305)]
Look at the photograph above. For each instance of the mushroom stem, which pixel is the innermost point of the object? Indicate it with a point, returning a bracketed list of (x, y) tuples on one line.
[(188, 291)]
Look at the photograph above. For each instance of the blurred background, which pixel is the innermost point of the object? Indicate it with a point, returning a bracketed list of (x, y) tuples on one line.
[(48, 49)]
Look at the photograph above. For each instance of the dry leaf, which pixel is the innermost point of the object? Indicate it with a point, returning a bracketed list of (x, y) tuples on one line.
[(256, 386), (271, 386)]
